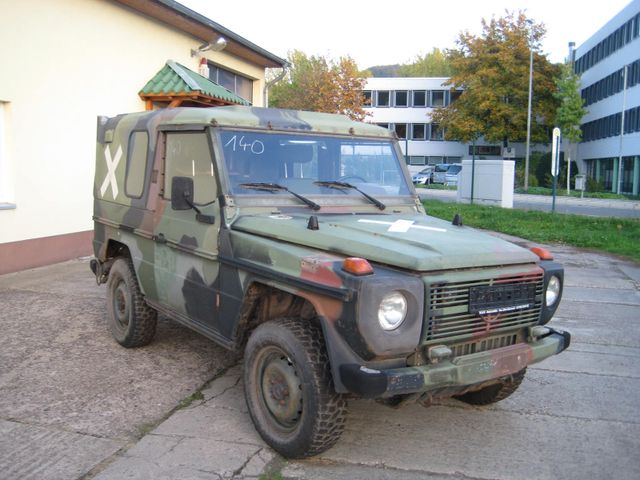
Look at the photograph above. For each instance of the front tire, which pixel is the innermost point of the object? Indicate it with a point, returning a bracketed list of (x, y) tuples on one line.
[(289, 389), (131, 320), (494, 393)]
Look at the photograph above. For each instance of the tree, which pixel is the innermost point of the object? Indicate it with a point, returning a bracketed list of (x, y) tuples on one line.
[(571, 104), (319, 84), (493, 71), (570, 111), (433, 64)]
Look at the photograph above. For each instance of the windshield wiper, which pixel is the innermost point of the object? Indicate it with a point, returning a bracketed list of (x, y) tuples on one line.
[(274, 187), (345, 185)]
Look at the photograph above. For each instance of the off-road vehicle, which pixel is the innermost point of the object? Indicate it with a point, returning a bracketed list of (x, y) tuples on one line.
[(299, 238)]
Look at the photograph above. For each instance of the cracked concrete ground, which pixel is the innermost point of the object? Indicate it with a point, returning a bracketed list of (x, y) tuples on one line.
[(69, 395), (575, 416)]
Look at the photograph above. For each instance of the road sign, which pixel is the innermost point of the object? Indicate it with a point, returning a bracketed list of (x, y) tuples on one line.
[(555, 152)]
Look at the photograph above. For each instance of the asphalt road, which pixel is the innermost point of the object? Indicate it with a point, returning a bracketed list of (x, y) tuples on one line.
[(73, 404), (585, 206)]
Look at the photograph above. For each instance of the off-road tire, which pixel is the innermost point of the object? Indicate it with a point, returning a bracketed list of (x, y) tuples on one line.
[(321, 412), (131, 320), (494, 393)]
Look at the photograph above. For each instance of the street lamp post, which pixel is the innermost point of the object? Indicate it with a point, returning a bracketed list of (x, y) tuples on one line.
[(624, 104), (526, 154)]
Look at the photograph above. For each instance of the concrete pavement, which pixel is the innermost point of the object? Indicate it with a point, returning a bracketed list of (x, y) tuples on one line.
[(598, 207), (70, 397), (575, 416)]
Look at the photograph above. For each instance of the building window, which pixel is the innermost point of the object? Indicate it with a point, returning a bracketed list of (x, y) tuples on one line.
[(238, 84), (401, 98), (437, 98), (455, 95), (606, 172), (419, 98), (401, 130), (383, 125), (382, 98), (418, 131), (416, 160), (626, 183), (436, 132), (486, 150), (6, 188), (611, 84), (367, 98), (625, 34)]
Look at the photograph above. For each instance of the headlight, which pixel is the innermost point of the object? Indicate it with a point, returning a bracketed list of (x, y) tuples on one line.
[(553, 291), (392, 310)]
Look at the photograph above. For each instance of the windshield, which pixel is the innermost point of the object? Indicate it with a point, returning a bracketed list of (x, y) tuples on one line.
[(297, 161), (443, 167)]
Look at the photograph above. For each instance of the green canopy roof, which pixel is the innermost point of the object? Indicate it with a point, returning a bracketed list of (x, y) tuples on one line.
[(175, 80)]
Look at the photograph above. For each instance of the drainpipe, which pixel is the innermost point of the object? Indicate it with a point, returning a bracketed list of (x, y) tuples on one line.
[(268, 85)]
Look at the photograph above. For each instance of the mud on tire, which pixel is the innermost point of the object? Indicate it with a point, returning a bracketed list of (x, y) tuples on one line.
[(131, 320), (494, 393), (289, 389)]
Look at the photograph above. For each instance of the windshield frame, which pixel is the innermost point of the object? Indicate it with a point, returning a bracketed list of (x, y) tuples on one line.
[(284, 199)]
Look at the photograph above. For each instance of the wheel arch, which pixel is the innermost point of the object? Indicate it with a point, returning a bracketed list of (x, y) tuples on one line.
[(269, 301)]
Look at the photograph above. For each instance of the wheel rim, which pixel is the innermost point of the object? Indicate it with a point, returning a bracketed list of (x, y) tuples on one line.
[(280, 388), (121, 305)]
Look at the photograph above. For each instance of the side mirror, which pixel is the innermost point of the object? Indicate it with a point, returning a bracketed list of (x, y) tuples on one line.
[(181, 193)]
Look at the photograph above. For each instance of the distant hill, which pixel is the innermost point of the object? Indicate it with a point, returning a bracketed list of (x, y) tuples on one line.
[(385, 70)]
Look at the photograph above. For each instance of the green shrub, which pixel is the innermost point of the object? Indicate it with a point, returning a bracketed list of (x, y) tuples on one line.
[(594, 186)]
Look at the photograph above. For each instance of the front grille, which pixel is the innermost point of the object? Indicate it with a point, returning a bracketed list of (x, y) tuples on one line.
[(450, 318), (492, 343)]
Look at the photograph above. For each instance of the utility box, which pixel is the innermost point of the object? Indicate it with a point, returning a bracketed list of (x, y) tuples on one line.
[(492, 184), (580, 182)]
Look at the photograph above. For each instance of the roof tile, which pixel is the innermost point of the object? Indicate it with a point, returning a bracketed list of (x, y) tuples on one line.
[(175, 78)]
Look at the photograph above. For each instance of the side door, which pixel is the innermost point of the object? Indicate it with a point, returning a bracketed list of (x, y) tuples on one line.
[(186, 253)]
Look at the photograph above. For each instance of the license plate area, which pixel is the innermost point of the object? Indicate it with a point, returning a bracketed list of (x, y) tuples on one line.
[(492, 299)]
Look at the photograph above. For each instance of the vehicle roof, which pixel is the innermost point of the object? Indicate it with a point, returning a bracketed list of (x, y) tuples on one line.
[(256, 117)]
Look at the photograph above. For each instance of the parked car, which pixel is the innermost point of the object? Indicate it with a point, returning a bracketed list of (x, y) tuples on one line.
[(440, 172), (451, 176), (424, 176)]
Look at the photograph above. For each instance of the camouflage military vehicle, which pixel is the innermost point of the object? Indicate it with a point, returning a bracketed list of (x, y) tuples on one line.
[(299, 238)]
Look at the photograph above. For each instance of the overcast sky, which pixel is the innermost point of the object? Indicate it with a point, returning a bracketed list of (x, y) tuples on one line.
[(384, 32)]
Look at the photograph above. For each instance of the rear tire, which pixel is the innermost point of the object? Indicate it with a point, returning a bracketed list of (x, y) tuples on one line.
[(289, 389), (494, 393), (132, 321)]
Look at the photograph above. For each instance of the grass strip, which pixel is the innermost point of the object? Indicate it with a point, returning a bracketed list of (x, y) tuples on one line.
[(562, 192), (612, 235)]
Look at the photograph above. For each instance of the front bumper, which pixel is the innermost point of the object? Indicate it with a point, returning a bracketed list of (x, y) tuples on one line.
[(459, 372)]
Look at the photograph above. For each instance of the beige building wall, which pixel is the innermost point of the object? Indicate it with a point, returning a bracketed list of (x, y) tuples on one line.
[(65, 62)]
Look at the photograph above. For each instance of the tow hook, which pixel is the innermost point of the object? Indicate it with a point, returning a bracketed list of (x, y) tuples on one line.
[(100, 270)]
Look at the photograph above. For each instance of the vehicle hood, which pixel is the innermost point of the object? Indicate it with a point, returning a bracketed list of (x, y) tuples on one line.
[(415, 242)]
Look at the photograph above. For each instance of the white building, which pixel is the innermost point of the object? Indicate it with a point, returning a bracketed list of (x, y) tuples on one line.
[(603, 62), (404, 105), (63, 64)]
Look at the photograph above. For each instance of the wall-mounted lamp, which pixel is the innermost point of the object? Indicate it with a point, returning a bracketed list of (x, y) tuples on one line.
[(215, 46)]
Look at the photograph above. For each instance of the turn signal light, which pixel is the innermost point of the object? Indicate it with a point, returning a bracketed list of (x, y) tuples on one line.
[(357, 266), (543, 253)]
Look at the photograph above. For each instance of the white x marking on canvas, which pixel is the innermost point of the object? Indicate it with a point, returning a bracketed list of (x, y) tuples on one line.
[(110, 179), (402, 226)]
